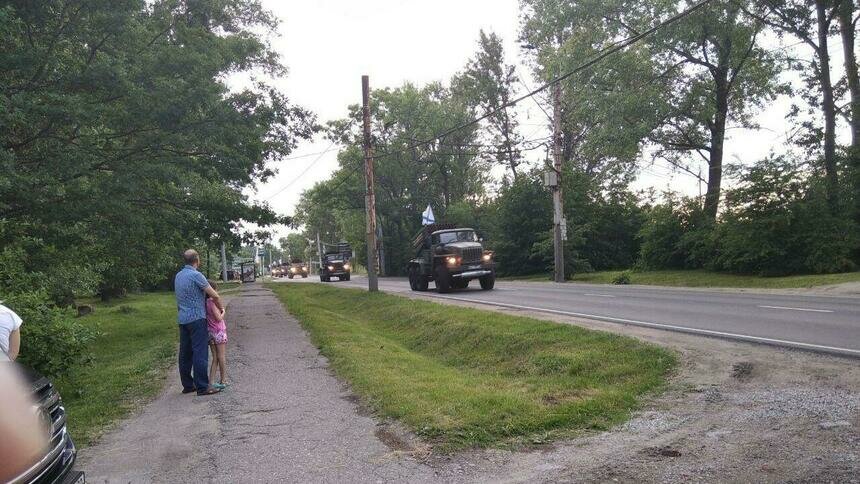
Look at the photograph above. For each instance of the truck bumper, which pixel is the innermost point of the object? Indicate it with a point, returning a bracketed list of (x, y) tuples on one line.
[(472, 274)]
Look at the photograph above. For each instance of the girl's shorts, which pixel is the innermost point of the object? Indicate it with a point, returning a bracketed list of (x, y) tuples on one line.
[(218, 337)]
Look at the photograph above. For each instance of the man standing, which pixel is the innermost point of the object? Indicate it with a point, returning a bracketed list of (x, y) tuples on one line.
[(191, 290)]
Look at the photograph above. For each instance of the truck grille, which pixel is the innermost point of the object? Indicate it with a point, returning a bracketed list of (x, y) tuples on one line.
[(472, 255), (50, 404)]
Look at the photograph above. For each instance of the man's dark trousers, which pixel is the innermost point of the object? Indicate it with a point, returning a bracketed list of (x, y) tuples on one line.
[(194, 353)]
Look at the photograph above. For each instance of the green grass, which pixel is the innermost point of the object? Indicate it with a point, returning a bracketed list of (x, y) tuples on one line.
[(701, 278), (463, 377), (137, 343)]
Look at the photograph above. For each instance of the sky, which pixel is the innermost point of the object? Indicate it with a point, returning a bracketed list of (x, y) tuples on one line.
[(327, 45)]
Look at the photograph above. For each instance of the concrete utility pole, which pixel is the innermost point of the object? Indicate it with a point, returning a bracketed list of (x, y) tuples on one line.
[(559, 223), (370, 197), (224, 261)]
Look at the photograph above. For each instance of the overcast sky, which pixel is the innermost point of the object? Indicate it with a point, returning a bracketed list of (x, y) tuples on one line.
[(327, 45)]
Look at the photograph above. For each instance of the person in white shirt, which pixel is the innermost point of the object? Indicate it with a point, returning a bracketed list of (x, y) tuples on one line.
[(10, 334)]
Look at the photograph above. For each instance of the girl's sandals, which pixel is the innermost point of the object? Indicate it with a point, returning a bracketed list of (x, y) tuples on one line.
[(219, 386), (210, 391)]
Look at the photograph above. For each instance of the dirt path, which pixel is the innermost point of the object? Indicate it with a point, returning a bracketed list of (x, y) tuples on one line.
[(734, 412)]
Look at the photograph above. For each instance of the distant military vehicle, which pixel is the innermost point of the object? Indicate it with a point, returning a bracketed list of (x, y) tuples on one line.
[(451, 257), (297, 269), (335, 262)]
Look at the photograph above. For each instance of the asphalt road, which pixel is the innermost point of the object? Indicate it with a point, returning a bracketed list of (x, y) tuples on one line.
[(819, 323)]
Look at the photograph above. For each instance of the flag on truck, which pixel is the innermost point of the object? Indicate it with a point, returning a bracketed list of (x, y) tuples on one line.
[(427, 218)]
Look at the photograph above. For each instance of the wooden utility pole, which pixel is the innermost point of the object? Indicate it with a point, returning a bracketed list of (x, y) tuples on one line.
[(370, 198), (557, 203)]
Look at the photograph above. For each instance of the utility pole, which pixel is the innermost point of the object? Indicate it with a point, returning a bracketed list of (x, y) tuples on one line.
[(559, 223), (224, 261), (319, 252), (379, 240), (370, 197)]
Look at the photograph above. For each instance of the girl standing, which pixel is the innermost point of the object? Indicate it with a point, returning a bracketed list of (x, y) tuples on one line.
[(217, 341)]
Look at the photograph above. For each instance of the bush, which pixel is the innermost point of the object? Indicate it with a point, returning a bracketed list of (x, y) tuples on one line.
[(778, 221), (622, 279), (51, 339), (676, 235)]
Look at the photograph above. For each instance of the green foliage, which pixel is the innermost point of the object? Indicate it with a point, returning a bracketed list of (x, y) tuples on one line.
[(778, 222), (623, 278), (121, 141), (52, 341)]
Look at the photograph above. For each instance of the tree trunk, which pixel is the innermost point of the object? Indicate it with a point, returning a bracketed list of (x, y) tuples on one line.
[(828, 106), (718, 136), (845, 16)]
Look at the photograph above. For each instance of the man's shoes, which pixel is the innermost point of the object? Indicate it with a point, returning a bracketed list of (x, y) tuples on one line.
[(188, 390), (209, 391)]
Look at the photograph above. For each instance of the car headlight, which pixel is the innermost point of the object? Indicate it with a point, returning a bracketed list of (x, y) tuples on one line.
[(346, 267), (488, 257), (305, 269), (331, 268), (452, 261)]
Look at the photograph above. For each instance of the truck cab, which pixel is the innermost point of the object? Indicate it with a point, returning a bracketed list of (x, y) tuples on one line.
[(451, 257), (336, 262)]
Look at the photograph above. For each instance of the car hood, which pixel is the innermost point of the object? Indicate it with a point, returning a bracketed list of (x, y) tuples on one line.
[(463, 245)]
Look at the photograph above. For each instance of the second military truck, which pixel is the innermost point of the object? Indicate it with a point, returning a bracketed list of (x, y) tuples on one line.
[(451, 257), (335, 262)]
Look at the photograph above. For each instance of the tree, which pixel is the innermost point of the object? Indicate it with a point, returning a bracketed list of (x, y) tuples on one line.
[(122, 143), (720, 74), (847, 31), (487, 84), (811, 23)]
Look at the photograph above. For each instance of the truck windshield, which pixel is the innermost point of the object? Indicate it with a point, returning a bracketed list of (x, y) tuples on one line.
[(458, 236)]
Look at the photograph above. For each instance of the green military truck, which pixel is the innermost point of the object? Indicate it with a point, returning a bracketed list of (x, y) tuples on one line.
[(451, 257)]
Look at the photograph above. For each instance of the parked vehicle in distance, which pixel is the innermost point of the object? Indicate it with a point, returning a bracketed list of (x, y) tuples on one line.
[(56, 465), (297, 269), (336, 262), (451, 257)]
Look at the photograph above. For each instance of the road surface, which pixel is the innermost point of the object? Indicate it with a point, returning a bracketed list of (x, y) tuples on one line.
[(819, 323)]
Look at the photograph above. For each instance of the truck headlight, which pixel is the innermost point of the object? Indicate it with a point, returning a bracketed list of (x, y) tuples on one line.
[(488, 257), (331, 268), (346, 267), (452, 261)]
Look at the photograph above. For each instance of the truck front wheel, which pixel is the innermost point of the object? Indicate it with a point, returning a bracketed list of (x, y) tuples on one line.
[(443, 280), (488, 282)]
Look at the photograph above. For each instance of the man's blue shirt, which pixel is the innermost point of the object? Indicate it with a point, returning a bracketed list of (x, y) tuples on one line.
[(190, 286)]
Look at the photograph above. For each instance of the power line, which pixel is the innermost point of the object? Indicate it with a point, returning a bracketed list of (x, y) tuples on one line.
[(602, 54), (308, 168)]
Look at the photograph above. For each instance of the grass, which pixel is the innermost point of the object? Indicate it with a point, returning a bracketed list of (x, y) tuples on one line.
[(137, 343), (463, 377), (701, 278)]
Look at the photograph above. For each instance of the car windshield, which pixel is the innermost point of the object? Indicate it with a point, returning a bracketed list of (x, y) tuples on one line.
[(457, 236)]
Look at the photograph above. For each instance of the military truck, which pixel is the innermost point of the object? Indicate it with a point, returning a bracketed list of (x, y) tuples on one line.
[(297, 268), (451, 257), (335, 262)]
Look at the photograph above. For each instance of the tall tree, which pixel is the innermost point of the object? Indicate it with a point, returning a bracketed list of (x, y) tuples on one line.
[(848, 31), (489, 84), (811, 21), (721, 75), (121, 139)]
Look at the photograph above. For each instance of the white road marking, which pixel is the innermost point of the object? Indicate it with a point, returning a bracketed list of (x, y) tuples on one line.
[(599, 295), (798, 309), (672, 327)]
